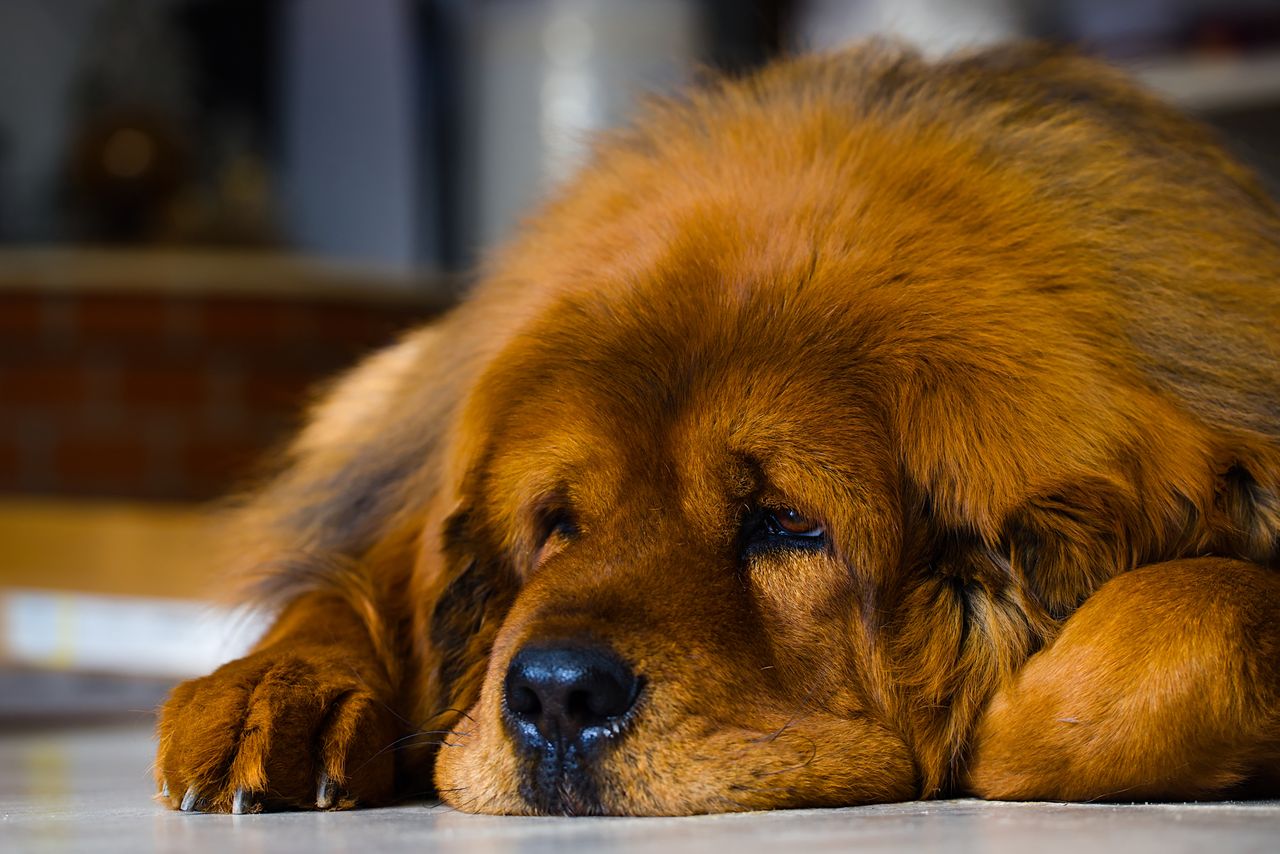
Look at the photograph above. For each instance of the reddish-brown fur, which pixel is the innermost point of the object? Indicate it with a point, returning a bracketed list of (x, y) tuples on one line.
[(1006, 325)]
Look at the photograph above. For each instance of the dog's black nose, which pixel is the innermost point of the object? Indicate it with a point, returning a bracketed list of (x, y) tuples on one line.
[(567, 694)]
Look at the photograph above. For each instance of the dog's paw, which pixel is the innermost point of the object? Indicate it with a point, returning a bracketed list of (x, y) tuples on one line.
[(296, 728)]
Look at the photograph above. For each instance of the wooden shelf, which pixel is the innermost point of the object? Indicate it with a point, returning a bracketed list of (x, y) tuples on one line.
[(116, 548), (193, 272)]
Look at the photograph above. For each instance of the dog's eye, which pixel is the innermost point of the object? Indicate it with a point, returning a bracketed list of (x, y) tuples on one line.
[(790, 522), (781, 528)]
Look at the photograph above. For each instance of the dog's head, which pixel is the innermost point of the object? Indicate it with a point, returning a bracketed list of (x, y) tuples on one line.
[(763, 456), (694, 489)]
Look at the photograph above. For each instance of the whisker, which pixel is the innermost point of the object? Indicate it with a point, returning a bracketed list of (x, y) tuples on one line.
[(395, 745), (804, 706), (461, 712), (374, 695), (813, 753)]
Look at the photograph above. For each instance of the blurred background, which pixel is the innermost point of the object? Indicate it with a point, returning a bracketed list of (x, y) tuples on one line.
[(206, 206)]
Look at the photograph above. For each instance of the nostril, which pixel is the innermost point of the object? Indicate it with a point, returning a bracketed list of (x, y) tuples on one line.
[(523, 701), (565, 690), (606, 698)]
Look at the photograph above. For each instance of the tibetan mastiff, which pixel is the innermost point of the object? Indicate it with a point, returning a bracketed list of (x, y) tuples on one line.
[(866, 429)]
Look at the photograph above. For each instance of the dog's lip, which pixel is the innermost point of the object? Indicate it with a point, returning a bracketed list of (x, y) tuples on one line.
[(558, 783)]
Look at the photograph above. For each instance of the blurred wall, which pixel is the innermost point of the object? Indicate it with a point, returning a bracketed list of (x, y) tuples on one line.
[(41, 43), (350, 153)]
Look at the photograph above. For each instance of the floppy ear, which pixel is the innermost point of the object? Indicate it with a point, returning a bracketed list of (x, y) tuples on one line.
[(1064, 544), (359, 505), (465, 586), (335, 494)]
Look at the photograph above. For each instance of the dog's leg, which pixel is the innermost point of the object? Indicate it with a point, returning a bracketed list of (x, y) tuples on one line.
[(304, 721), (1165, 684)]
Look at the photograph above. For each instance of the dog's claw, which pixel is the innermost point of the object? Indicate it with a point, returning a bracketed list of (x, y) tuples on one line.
[(164, 789), (326, 791), (244, 802), (189, 800)]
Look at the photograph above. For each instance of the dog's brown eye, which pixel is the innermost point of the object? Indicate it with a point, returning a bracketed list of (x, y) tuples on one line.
[(792, 522), (780, 529)]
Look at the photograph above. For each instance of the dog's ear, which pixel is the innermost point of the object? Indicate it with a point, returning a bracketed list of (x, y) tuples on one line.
[(356, 469), (469, 592), (1064, 544), (349, 506)]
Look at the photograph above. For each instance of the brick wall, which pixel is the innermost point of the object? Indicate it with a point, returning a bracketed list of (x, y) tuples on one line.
[(163, 396)]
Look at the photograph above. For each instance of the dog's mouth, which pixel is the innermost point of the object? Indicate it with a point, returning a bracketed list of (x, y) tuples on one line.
[(661, 758), (560, 781)]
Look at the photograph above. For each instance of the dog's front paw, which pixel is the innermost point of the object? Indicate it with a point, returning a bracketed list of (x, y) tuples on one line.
[(299, 727)]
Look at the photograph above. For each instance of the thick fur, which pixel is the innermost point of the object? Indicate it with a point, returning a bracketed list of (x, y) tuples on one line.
[(1008, 326)]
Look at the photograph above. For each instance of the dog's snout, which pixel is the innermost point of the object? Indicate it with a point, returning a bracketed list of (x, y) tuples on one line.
[(567, 693)]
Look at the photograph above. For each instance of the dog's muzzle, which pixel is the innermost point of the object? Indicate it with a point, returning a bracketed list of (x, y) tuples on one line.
[(564, 703)]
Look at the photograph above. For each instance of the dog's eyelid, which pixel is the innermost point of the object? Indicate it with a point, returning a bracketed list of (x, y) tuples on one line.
[(565, 526), (553, 519)]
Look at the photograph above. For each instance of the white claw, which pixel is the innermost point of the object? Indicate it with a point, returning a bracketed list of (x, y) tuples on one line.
[(324, 791), (189, 800), (241, 803), (164, 789)]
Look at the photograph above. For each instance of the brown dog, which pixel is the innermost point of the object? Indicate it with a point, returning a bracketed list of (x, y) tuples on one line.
[(864, 430)]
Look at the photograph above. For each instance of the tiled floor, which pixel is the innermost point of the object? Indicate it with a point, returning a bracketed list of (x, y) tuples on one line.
[(88, 790)]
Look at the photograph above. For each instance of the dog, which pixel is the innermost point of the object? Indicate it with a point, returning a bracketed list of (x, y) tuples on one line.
[(866, 429)]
